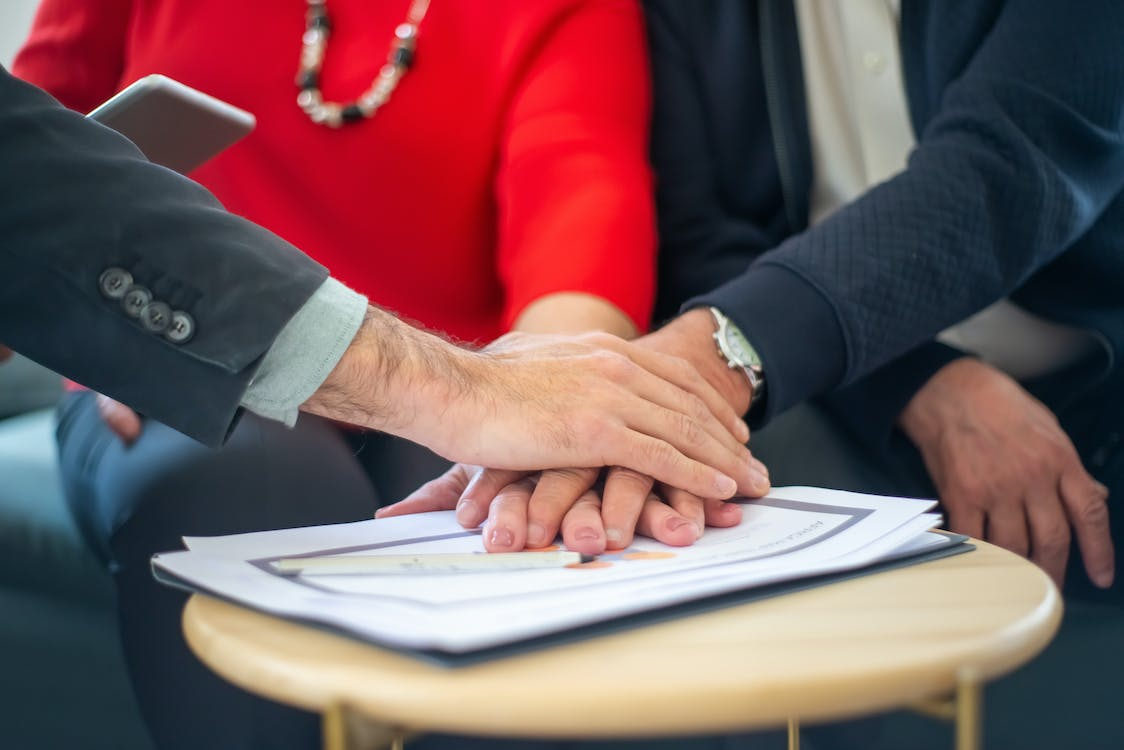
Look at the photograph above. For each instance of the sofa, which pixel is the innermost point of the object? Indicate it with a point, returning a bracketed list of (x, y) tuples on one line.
[(64, 683)]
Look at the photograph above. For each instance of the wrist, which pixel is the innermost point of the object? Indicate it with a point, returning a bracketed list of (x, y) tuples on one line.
[(691, 336), (390, 377), (926, 413)]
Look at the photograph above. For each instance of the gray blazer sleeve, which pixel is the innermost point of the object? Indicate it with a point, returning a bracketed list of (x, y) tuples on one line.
[(77, 199)]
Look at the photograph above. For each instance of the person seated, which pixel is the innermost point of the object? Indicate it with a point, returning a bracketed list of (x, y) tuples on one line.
[(477, 169), (885, 263)]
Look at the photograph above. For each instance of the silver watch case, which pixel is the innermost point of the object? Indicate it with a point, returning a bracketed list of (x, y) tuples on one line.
[(738, 352)]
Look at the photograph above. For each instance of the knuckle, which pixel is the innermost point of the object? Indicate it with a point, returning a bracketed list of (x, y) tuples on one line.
[(690, 432), (657, 453), (1037, 472), (620, 475), (588, 425), (1092, 512), (968, 490), (682, 368), (616, 367), (1053, 540), (599, 339), (566, 477), (697, 408)]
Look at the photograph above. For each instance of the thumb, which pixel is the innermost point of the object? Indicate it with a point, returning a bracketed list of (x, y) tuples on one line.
[(441, 493)]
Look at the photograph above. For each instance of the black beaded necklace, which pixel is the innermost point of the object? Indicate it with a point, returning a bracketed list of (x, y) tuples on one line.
[(313, 45)]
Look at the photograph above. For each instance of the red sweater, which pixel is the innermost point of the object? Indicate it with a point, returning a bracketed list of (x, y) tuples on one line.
[(510, 163)]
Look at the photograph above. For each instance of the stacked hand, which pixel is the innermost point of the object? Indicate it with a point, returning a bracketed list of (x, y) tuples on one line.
[(531, 402), (594, 509), (1005, 470)]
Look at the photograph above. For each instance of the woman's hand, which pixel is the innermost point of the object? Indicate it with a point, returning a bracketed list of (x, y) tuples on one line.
[(123, 421), (520, 510)]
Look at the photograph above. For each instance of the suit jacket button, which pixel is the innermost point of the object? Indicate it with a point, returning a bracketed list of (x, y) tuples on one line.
[(156, 317), (115, 282), (135, 300), (181, 328)]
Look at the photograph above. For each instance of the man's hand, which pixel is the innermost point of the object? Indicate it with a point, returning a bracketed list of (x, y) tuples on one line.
[(5, 353), (520, 510), (691, 337), (531, 402), (1005, 470)]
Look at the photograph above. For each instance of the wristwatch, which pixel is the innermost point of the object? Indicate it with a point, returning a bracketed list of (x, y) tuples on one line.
[(739, 353)]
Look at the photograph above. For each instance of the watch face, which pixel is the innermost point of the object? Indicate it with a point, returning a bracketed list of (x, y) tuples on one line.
[(740, 349)]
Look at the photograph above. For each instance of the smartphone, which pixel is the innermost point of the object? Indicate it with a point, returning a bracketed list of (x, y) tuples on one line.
[(174, 125)]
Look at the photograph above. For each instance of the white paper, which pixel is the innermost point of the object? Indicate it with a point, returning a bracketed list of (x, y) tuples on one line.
[(793, 533)]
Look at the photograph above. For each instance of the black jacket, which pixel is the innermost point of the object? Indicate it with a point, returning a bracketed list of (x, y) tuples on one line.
[(77, 199), (1014, 190)]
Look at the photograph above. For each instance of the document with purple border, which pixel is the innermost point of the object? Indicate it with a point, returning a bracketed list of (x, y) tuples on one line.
[(793, 533)]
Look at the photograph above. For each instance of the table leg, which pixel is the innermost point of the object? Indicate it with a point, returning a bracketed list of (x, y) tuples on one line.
[(793, 733), (964, 709), (969, 711), (344, 729)]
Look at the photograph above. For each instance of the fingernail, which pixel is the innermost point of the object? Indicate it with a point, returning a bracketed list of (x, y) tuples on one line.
[(1103, 579), (759, 481), (614, 536), (674, 524), (536, 535), (725, 486), (586, 534), (465, 510), (502, 537), (742, 431)]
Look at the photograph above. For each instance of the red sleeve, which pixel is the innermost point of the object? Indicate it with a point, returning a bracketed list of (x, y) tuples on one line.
[(574, 186), (76, 50)]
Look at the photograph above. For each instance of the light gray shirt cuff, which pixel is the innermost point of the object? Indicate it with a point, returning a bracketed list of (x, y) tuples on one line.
[(305, 352)]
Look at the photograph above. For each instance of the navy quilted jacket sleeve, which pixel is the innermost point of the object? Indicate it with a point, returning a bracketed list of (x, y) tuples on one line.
[(1019, 111)]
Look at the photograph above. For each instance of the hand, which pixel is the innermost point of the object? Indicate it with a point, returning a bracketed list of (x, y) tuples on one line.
[(1005, 470), (632, 501), (691, 337), (526, 512), (531, 402), (123, 421), (5, 353), (509, 500)]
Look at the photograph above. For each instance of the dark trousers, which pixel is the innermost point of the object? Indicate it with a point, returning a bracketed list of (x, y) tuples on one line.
[(136, 501)]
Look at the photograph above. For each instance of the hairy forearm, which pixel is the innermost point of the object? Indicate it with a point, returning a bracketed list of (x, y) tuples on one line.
[(533, 401), (389, 370)]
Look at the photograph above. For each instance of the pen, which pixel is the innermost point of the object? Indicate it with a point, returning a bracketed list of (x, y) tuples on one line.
[(442, 562)]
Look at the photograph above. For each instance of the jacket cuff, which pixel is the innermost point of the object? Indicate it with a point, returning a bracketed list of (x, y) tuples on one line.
[(794, 330), (869, 408)]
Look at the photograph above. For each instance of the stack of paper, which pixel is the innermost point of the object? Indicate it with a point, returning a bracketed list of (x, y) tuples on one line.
[(795, 533)]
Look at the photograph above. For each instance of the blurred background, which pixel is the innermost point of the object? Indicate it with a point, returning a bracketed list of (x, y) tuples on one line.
[(15, 20)]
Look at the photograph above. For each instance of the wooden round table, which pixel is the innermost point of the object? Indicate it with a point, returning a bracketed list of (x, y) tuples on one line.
[(855, 647)]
